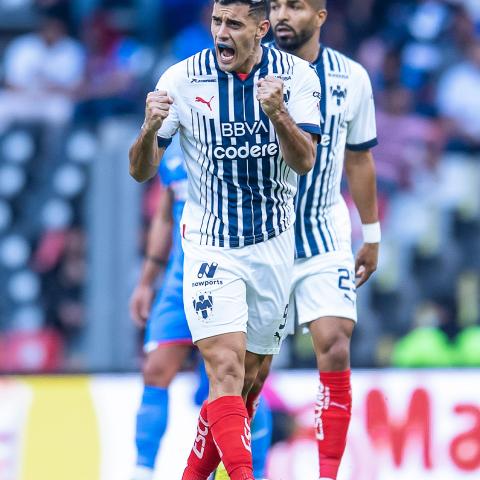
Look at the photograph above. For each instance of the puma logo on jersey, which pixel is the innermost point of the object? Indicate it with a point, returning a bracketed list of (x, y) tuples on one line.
[(202, 100)]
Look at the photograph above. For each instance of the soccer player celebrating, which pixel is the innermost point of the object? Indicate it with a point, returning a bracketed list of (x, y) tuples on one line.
[(325, 274), (249, 119), (167, 337)]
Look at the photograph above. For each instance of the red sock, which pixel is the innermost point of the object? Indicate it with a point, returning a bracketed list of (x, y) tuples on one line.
[(332, 418), (253, 399), (204, 457), (228, 419)]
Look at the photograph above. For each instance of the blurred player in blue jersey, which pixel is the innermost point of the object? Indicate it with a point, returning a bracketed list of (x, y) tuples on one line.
[(249, 122), (167, 337), (325, 275)]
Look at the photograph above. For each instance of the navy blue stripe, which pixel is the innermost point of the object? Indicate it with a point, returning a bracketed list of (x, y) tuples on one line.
[(338, 62), (199, 146), (331, 160), (360, 147), (208, 67), (253, 169), (331, 176), (227, 164), (332, 68), (310, 128), (218, 217), (206, 167), (243, 174), (279, 189), (290, 64), (307, 213), (335, 164), (323, 110), (274, 63), (266, 170), (163, 142), (200, 62), (282, 62)]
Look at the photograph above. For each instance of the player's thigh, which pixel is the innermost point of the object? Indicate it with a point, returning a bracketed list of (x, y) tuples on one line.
[(164, 362), (214, 292), (326, 288), (268, 293)]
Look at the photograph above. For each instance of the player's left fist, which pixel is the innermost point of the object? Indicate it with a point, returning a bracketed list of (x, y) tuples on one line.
[(270, 96)]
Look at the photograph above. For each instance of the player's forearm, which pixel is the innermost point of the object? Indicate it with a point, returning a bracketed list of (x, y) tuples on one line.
[(298, 147), (158, 249), (362, 183), (144, 156)]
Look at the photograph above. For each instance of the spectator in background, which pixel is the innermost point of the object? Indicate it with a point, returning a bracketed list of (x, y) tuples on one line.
[(195, 37), (458, 101), (409, 141), (42, 71), (112, 71)]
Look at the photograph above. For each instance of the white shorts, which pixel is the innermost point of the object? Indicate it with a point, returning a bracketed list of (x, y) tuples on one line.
[(323, 286), (246, 289)]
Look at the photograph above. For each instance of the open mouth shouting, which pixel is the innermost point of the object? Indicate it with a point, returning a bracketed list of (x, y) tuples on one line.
[(225, 53)]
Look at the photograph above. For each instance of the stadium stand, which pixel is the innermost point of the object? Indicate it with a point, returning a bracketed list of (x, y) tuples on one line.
[(54, 163)]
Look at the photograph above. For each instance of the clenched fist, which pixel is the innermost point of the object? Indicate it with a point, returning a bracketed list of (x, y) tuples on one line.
[(270, 95), (156, 110)]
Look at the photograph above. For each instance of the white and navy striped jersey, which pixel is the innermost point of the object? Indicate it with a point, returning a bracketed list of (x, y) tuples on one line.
[(241, 191), (348, 121)]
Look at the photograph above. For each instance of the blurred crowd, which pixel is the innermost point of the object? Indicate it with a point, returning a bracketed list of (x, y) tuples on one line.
[(65, 71)]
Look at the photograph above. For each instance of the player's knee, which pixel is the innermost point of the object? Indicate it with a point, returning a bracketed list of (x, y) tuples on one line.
[(157, 374), (334, 354)]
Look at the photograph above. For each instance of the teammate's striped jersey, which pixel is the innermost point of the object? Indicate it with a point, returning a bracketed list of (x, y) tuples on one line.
[(348, 121), (241, 191)]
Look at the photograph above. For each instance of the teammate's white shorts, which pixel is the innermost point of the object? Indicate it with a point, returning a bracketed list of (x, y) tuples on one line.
[(246, 289), (323, 286)]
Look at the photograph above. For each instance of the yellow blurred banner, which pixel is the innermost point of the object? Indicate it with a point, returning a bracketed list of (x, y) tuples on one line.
[(61, 438)]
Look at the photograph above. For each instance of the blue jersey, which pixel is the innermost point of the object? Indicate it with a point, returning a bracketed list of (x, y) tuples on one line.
[(173, 176)]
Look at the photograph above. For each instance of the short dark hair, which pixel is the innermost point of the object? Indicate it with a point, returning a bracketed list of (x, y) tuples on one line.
[(318, 4), (259, 8)]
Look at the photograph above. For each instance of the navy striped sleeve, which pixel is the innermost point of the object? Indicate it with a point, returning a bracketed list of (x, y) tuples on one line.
[(363, 146), (310, 128), (163, 142)]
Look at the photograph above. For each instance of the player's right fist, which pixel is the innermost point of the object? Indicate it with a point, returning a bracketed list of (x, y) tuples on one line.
[(156, 110)]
